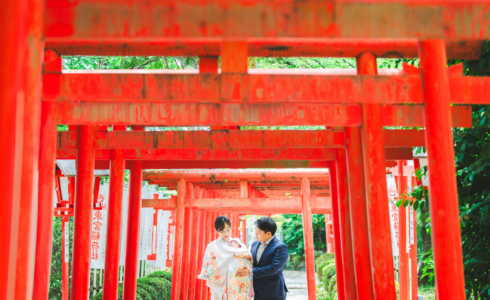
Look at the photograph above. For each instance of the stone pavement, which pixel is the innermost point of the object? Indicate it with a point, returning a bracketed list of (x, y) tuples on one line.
[(297, 286)]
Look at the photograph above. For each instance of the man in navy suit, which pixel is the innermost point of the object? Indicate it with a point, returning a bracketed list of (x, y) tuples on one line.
[(269, 256)]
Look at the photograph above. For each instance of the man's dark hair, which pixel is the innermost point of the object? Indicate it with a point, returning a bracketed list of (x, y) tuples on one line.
[(220, 223), (266, 224)]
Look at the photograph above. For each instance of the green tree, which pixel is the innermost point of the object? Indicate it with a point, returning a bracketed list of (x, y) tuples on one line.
[(472, 151), (56, 258), (292, 229)]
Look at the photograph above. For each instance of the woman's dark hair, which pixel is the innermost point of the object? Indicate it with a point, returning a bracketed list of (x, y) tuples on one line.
[(266, 224), (220, 222)]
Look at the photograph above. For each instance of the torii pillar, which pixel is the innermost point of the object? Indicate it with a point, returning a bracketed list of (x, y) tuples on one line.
[(132, 243), (83, 212), (383, 273), (116, 190), (47, 161), (444, 209)]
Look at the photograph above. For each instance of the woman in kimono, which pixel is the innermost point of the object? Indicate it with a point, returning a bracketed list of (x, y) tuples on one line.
[(223, 257)]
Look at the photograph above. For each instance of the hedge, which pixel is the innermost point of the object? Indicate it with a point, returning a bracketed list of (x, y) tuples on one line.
[(322, 261), (332, 287), (162, 274), (157, 285)]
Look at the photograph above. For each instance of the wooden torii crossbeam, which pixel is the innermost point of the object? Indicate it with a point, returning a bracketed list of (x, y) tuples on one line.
[(360, 104)]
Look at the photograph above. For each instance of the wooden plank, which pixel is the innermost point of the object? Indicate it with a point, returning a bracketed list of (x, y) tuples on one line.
[(186, 114), (275, 204), (385, 48), (260, 86), (233, 140), (126, 21)]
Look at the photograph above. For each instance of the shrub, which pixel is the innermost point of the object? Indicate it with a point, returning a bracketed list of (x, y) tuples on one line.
[(162, 287), (322, 261), (332, 287), (162, 274), (321, 294), (322, 270), (328, 272), (325, 256), (149, 287), (157, 285), (144, 294), (98, 296)]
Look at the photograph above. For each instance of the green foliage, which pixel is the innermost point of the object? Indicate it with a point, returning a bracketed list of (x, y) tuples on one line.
[(323, 261), (292, 229), (155, 286), (128, 62), (332, 287), (142, 291), (428, 267), (472, 151), (328, 271), (162, 286), (162, 274), (321, 293), (56, 257)]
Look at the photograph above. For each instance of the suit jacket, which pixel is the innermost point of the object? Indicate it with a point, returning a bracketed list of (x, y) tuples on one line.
[(268, 280)]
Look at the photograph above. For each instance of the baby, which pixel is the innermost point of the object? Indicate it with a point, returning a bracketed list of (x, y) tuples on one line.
[(234, 244), (239, 288)]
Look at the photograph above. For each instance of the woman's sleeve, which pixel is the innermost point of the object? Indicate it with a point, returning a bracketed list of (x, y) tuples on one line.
[(210, 270), (204, 274)]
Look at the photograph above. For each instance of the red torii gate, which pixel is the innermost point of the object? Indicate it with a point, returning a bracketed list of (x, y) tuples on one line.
[(243, 198), (235, 30)]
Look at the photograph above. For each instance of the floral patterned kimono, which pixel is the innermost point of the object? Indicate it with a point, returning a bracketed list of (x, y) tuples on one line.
[(219, 267)]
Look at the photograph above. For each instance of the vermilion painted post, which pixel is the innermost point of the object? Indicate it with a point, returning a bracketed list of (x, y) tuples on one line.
[(64, 262), (334, 194), (357, 206), (96, 191), (444, 210), (83, 212), (244, 230), (209, 238), (413, 259), (188, 224), (234, 57), (12, 39), (231, 216), (401, 184), (116, 190), (200, 253), (308, 237), (328, 233), (196, 235), (413, 248), (178, 247), (47, 159), (376, 195), (207, 64), (132, 238), (236, 224), (202, 284), (215, 215), (30, 89), (344, 227), (243, 189), (195, 265)]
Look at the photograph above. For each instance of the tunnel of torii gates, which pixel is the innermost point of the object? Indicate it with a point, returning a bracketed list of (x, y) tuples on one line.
[(354, 105)]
